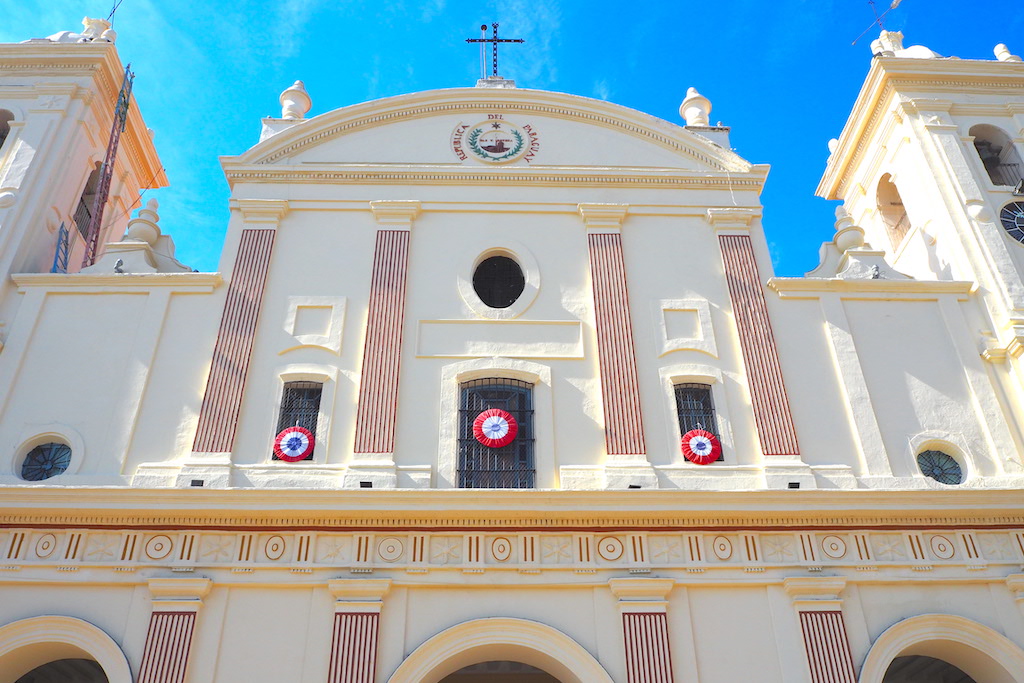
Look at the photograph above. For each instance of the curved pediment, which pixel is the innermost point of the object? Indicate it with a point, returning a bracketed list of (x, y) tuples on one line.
[(510, 129)]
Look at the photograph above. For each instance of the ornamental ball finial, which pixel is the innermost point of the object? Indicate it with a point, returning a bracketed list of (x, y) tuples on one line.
[(295, 101), (695, 108)]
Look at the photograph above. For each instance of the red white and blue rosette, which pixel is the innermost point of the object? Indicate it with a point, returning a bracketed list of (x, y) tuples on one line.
[(495, 428), (701, 447), (294, 444)]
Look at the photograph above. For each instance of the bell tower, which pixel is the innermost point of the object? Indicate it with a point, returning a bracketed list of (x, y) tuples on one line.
[(929, 164), (58, 103)]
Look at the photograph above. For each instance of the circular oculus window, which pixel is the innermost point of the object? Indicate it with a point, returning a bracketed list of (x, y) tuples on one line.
[(1012, 218), (498, 281), (45, 461), (941, 467)]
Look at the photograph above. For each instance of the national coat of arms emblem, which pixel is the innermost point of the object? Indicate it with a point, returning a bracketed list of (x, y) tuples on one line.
[(495, 141)]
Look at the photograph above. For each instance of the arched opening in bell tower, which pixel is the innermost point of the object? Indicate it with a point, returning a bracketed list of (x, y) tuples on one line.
[(5, 126), (998, 154), (892, 211)]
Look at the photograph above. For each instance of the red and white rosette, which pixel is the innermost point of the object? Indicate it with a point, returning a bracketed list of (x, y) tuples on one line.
[(701, 447), (294, 444), (495, 428)]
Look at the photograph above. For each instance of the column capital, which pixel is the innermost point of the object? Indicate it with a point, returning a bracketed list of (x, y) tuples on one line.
[(731, 217), (359, 595), (603, 216), (178, 595), (815, 593), (359, 590), (641, 594), (1015, 582), (397, 214), (814, 587), (261, 213)]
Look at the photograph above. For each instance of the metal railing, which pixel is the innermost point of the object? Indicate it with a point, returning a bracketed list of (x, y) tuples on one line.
[(1005, 174), (497, 479), (82, 217), (62, 252), (899, 231)]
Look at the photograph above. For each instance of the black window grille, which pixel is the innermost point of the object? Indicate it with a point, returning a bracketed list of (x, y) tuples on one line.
[(498, 281), (45, 461), (508, 467), (300, 406), (695, 409), (941, 467)]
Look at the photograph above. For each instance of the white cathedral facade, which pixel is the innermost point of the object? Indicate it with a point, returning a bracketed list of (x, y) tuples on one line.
[(497, 384)]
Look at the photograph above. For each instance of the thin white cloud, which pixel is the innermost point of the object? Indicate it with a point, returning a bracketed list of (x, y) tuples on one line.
[(291, 18), (431, 8), (537, 22), (602, 90)]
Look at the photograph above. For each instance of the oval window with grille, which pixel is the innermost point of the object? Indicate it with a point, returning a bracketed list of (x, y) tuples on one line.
[(498, 281), (941, 467), (45, 461)]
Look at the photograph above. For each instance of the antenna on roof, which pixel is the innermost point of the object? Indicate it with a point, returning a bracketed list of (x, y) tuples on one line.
[(110, 17), (878, 17)]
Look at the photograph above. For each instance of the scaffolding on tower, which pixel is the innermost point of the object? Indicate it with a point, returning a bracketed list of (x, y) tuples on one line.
[(92, 236)]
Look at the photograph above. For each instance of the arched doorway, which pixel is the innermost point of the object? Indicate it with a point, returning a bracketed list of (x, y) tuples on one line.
[(43, 646), (921, 669), (500, 672), (943, 649), (65, 670), (468, 647)]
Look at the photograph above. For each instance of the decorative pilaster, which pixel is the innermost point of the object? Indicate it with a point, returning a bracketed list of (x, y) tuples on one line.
[(356, 622), (819, 608), (772, 415), (382, 350), (644, 607), (222, 401), (620, 391), (176, 603)]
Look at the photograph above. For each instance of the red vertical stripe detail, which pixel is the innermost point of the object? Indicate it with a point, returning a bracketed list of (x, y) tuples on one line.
[(168, 643), (354, 648), (382, 351), (620, 391), (648, 656), (222, 401), (828, 648), (757, 343)]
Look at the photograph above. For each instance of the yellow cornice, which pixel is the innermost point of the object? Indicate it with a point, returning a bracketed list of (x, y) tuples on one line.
[(87, 282), (454, 174), (804, 287), (280, 509)]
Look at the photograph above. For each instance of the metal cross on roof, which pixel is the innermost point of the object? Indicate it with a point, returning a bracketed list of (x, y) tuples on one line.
[(494, 40)]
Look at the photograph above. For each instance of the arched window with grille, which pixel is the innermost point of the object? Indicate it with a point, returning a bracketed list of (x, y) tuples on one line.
[(510, 466), (695, 408), (300, 407)]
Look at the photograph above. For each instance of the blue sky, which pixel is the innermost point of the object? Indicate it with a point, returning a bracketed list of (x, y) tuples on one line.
[(783, 74)]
